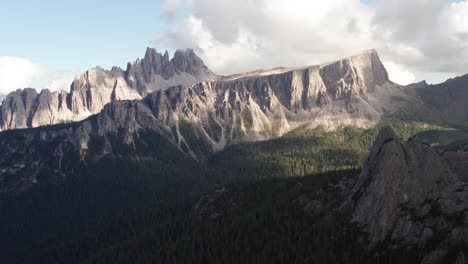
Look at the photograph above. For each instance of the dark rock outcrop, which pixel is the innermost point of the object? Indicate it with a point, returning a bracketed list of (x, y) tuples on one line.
[(407, 197), (448, 99)]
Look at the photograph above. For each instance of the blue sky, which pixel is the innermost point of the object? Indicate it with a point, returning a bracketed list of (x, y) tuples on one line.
[(72, 36), (68, 37)]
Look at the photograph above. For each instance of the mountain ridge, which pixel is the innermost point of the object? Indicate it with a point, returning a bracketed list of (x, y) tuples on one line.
[(90, 91), (203, 118)]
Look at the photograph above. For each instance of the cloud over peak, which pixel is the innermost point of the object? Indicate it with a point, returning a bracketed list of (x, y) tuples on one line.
[(414, 37), (19, 73)]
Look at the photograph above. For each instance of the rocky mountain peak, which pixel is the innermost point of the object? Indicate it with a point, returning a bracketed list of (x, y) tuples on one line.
[(358, 73), (385, 135), (155, 66), (116, 69), (188, 61), (151, 53), (378, 69), (185, 61), (350, 79), (166, 57), (93, 89), (153, 62)]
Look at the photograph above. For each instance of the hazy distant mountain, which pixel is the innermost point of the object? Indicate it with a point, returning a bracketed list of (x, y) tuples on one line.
[(447, 98)]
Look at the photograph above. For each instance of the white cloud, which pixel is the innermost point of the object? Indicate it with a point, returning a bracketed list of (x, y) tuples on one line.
[(233, 37), (457, 16), (399, 74), (59, 84), (436, 31), (18, 73), (228, 58), (423, 37), (406, 20), (169, 8)]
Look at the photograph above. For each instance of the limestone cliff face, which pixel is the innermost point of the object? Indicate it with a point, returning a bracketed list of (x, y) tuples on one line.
[(97, 87), (27, 108), (408, 196), (354, 90), (251, 107)]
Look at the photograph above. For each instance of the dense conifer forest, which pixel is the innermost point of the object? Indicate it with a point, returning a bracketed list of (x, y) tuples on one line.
[(140, 207)]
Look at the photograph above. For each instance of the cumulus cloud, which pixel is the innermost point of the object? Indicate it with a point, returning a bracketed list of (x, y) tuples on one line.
[(434, 32), (416, 37), (399, 74), (59, 83), (19, 73), (171, 7), (234, 37), (406, 20)]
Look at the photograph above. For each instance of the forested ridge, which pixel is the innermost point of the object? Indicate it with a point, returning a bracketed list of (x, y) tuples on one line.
[(141, 201)]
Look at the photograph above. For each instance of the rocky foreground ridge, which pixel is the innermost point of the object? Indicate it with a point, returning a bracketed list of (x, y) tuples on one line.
[(410, 198)]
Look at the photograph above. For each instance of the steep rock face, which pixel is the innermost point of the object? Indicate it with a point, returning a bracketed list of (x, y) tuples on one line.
[(27, 108), (357, 74), (90, 91), (407, 197), (458, 161), (21, 103), (262, 106)]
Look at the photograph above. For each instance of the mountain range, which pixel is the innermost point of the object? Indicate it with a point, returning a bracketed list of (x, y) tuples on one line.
[(205, 117), (166, 131), (90, 91)]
